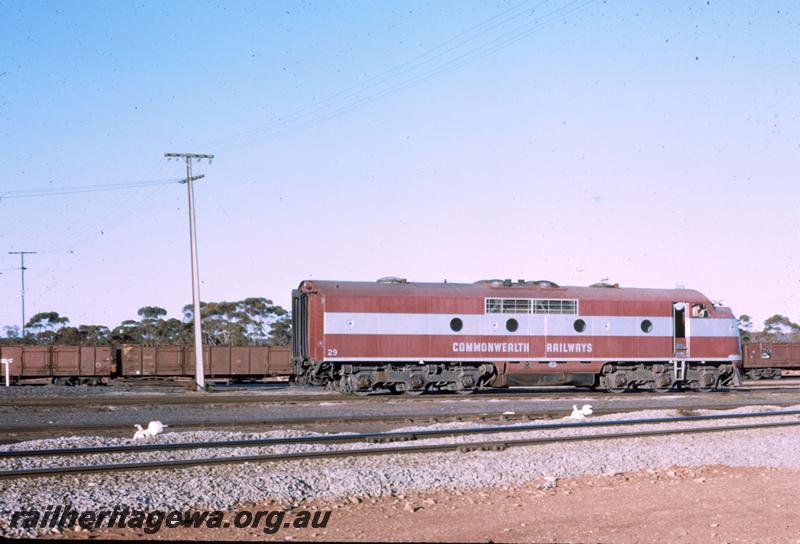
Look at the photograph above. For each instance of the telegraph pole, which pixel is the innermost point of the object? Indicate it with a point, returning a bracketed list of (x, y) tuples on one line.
[(199, 374), (22, 271)]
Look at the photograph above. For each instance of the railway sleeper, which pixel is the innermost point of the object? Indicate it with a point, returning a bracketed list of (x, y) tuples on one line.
[(666, 376), (384, 439)]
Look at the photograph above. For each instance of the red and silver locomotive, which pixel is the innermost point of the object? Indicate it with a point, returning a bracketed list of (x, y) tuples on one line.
[(412, 337)]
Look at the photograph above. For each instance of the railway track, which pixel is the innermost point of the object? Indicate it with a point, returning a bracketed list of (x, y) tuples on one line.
[(255, 398), (463, 447), (17, 433)]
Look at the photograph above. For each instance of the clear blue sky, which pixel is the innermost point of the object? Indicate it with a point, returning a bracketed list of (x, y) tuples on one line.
[(651, 143)]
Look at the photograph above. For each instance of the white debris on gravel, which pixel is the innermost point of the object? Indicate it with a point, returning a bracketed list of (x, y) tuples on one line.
[(225, 486)]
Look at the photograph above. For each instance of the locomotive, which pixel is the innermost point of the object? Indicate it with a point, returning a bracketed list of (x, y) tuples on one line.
[(360, 337)]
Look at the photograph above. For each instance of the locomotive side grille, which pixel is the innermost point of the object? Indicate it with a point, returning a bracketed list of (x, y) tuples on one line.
[(531, 306), (299, 325)]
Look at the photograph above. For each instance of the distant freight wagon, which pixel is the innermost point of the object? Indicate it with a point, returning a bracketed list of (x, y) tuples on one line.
[(91, 365), (768, 359)]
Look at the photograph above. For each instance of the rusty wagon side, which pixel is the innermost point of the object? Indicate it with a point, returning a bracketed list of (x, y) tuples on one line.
[(239, 362), (70, 365), (769, 359), (62, 364)]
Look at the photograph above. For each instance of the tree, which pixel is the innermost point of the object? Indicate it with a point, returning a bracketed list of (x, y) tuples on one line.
[(779, 328), (172, 331), (94, 335), (127, 332), (12, 335), (151, 324), (251, 321), (745, 326), (280, 333), (42, 327), (246, 322)]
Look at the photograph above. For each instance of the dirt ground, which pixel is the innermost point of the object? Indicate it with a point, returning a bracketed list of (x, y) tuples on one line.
[(709, 504)]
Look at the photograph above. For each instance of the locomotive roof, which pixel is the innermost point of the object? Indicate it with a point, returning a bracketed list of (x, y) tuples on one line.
[(493, 289)]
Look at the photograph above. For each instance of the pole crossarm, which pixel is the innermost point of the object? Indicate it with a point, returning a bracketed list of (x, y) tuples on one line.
[(188, 156), (195, 178)]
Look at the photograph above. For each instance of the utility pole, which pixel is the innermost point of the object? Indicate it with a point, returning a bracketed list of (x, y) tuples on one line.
[(199, 374), (22, 271)]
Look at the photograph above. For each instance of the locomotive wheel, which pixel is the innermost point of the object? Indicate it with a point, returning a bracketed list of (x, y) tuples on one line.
[(616, 383), (708, 382), (465, 384), (707, 388), (663, 384), (415, 385), (361, 393)]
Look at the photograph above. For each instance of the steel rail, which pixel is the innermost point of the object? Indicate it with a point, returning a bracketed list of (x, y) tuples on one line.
[(46, 431), (388, 436), (497, 445), (259, 398)]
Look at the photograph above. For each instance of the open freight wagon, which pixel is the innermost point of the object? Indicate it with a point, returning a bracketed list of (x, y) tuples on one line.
[(93, 365)]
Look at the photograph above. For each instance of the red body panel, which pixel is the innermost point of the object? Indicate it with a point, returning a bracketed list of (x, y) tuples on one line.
[(365, 322)]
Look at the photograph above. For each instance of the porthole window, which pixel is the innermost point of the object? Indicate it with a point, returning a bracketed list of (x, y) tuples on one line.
[(456, 324), (512, 325), (579, 325), (647, 326)]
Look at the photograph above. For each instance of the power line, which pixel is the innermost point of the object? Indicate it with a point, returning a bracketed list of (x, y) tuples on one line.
[(391, 73), (56, 191), (469, 56)]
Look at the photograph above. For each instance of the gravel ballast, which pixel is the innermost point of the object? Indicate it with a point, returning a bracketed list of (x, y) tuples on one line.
[(226, 486)]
